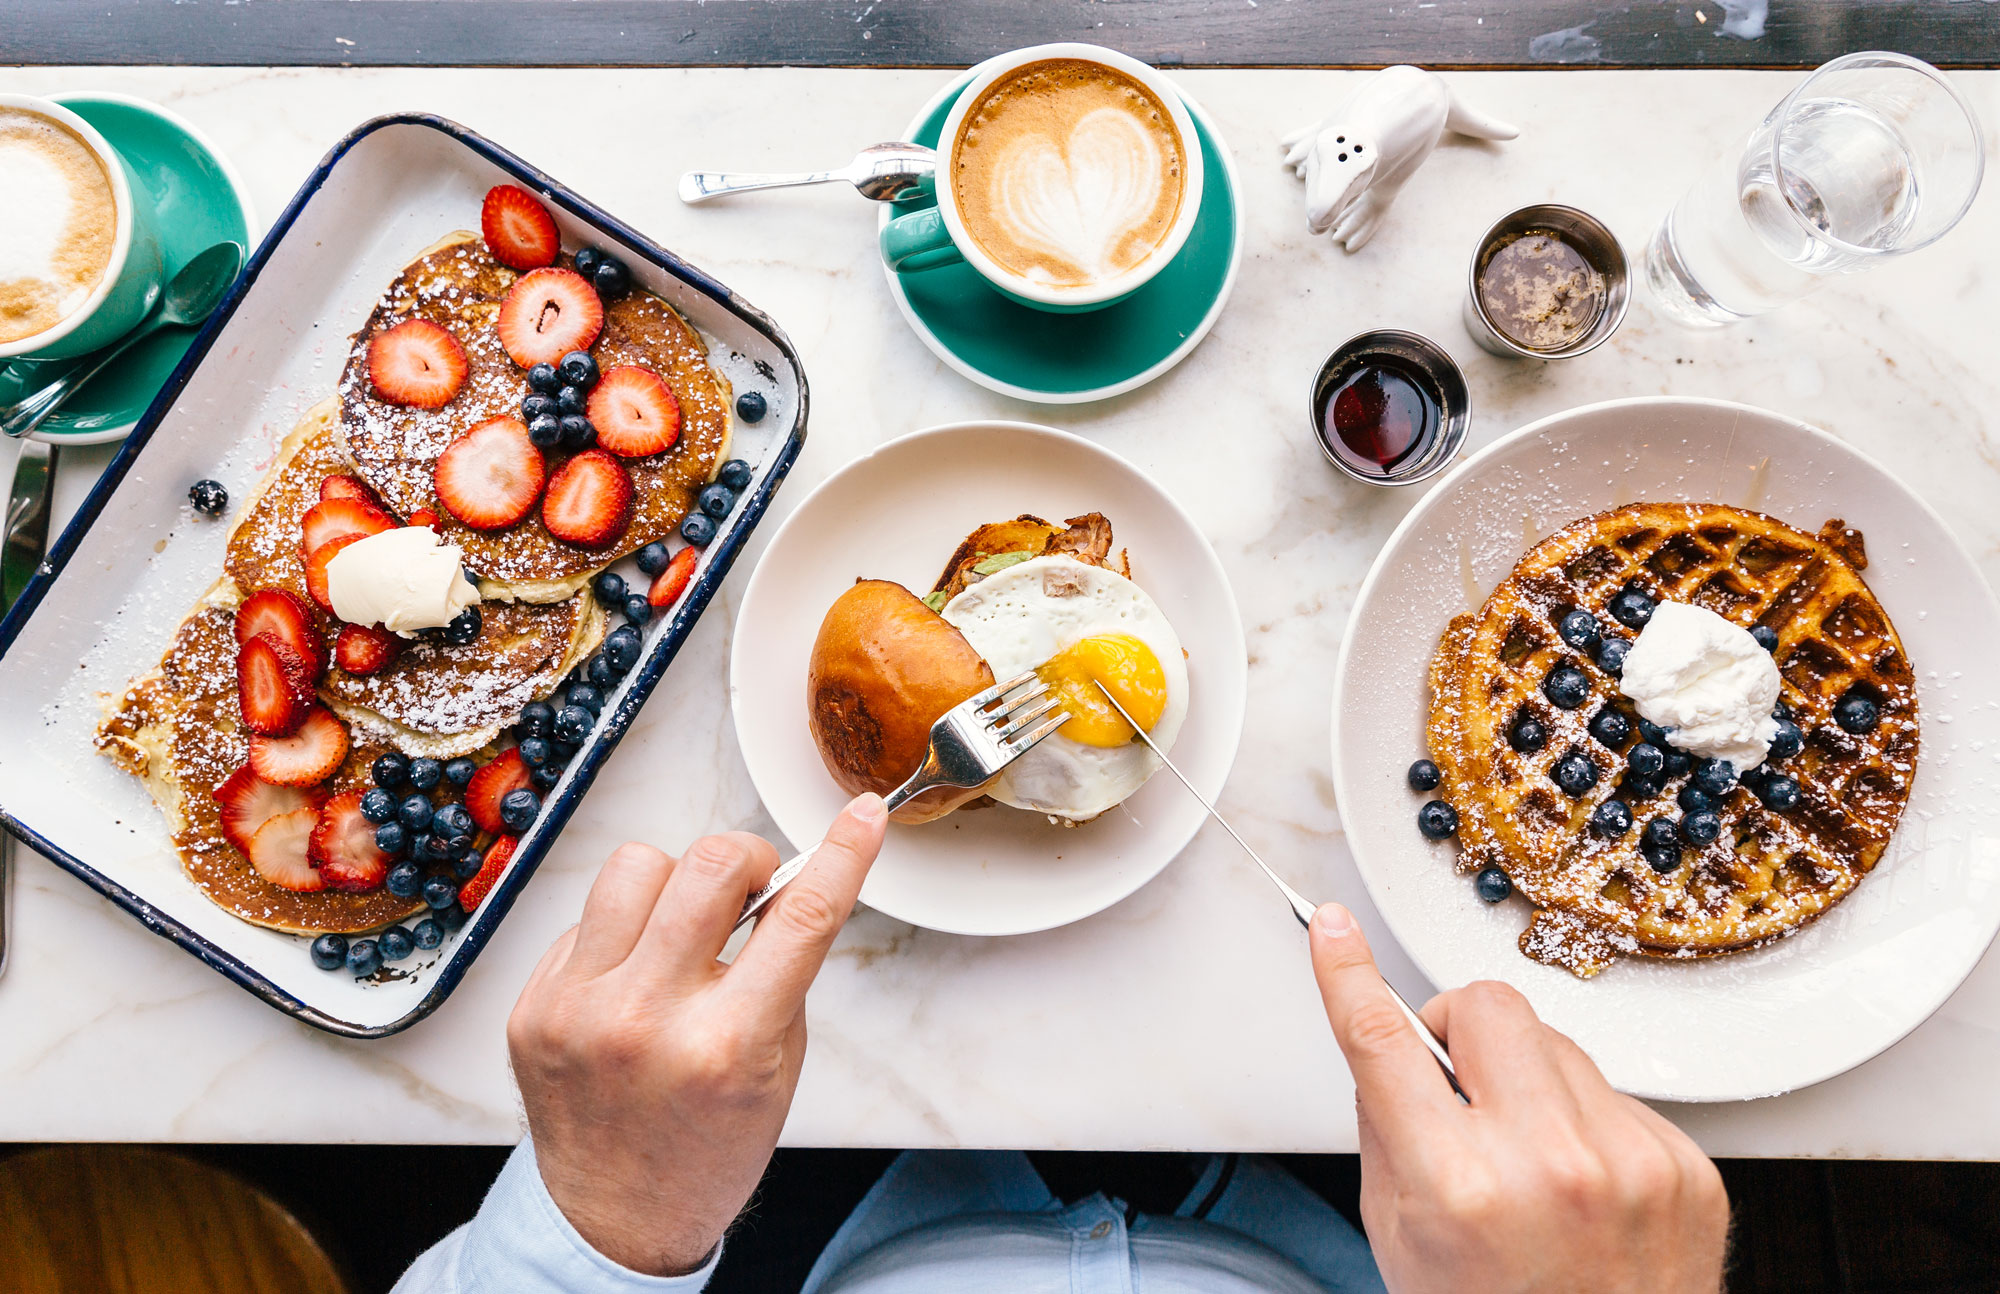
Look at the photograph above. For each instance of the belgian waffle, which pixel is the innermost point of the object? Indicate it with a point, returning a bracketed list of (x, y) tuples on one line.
[(1770, 872)]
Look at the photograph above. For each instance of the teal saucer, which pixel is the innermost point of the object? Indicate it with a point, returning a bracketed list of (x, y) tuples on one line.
[(1072, 358), (199, 201)]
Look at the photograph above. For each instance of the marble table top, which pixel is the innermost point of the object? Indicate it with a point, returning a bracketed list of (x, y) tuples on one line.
[(1184, 1017)]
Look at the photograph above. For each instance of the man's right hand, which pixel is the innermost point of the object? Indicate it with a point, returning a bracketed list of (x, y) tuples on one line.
[(1548, 1180)]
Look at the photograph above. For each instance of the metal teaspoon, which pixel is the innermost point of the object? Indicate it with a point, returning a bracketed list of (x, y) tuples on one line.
[(883, 172)]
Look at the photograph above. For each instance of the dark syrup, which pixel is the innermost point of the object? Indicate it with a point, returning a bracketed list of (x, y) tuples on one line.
[(1378, 413)]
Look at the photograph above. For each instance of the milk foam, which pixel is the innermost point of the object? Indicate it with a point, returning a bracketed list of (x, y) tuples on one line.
[(58, 223)]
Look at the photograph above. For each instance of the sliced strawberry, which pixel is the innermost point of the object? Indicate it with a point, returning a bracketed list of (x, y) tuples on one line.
[(307, 757), (425, 517), (589, 503), (673, 579), (343, 846), (329, 519), (273, 687), (364, 649), (316, 564), (280, 851), (416, 363), (348, 487), (489, 477), (495, 862), (547, 314), (283, 615), (519, 231), (635, 413), (491, 784), (246, 802)]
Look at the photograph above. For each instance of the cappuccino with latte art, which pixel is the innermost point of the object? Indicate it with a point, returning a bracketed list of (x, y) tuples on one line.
[(58, 223), (1068, 173)]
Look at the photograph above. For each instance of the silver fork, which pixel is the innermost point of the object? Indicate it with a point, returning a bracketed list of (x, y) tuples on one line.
[(969, 744)]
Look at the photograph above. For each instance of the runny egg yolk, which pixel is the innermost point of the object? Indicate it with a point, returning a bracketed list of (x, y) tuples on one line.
[(1129, 671)]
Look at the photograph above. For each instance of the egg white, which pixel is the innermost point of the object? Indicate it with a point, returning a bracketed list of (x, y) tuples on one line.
[(1018, 618)]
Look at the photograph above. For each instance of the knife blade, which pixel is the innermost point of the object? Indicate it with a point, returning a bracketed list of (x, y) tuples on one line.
[(21, 548)]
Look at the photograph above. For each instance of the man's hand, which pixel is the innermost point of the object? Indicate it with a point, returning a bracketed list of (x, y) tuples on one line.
[(1548, 1180), (655, 1077)]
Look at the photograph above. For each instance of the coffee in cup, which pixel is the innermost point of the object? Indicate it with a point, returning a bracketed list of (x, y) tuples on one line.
[(58, 223), (1068, 173)]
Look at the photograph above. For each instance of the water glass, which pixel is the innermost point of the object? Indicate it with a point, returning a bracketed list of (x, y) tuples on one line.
[(1873, 155)]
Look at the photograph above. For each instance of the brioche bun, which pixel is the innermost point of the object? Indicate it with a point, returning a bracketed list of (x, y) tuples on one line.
[(884, 668)]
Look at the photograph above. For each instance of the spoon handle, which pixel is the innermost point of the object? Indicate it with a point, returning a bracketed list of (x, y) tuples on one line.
[(700, 186)]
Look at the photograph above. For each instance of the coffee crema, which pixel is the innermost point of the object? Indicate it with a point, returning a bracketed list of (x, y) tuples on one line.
[(58, 223), (1068, 173)]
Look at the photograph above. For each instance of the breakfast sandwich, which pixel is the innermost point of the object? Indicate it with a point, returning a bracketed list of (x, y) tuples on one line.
[(1017, 596)]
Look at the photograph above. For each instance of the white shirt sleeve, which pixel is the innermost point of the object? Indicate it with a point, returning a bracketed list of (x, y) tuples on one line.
[(520, 1243)]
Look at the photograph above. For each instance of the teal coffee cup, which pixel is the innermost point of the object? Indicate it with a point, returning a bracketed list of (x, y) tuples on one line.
[(55, 235), (1071, 149)]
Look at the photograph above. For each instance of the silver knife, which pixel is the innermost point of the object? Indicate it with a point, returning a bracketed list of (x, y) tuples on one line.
[(21, 549), (1301, 908)]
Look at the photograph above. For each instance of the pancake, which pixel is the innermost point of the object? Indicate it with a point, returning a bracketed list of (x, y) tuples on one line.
[(457, 285)]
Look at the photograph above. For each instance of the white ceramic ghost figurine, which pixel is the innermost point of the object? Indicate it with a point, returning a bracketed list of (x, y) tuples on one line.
[(1355, 161)]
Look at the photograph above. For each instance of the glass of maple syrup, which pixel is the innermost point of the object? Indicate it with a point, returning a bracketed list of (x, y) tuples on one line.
[(1390, 408)]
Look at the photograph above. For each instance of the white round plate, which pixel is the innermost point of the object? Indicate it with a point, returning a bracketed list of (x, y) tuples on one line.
[(1809, 1007), (898, 514)]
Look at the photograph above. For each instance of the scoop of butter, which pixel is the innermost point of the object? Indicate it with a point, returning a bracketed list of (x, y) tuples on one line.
[(404, 580), (1706, 681)]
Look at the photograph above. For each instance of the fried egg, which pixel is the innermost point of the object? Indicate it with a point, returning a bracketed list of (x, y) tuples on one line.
[(1076, 625)]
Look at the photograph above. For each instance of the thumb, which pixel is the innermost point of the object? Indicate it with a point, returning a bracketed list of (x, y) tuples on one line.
[(1394, 1075)]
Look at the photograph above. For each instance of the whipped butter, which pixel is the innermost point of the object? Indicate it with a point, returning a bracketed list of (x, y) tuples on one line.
[(1706, 681), (404, 580)]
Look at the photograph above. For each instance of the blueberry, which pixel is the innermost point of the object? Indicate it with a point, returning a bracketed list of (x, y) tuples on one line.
[(1639, 786), (545, 432), (1632, 608), (534, 751), (1766, 637), (1678, 762), (424, 773), (1661, 833), (621, 650), (1702, 828), (1856, 713), (609, 588), (1575, 774), (467, 865), (1566, 687), (427, 933), (1645, 759), (577, 433), (453, 822), (583, 694), (698, 529), (1579, 630), (578, 369), (364, 957), (415, 813), (736, 474), (208, 498), (1781, 711), (1715, 776), (546, 776), (716, 500), (653, 558), (599, 673), (637, 609), (405, 879), (612, 279), (1611, 819), (1492, 884), (1424, 775), (539, 406), (439, 849), (572, 399), (391, 770), (1652, 733), (1787, 741), (452, 917), (536, 716), (1779, 793), (518, 809), (1693, 799), (378, 806), (439, 892), (1752, 778), (459, 771), (464, 628), (587, 260), (1611, 655), (1527, 735), (329, 952), (573, 723), (1611, 727), (1437, 820), (1661, 860), (565, 751), (544, 380), (395, 943), (751, 406)]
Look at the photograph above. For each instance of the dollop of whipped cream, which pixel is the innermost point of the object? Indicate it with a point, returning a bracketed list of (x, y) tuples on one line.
[(403, 579), (1706, 681)]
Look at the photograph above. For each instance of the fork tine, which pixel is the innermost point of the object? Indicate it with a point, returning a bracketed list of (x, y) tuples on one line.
[(1020, 724), (998, 690), (1027, 740), (1014, 703)]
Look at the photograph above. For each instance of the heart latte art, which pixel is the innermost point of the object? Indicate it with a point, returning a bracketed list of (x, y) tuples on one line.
[(1068, 173)]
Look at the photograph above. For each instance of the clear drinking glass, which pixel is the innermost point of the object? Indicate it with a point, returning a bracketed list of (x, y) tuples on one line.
[(1873, 155)]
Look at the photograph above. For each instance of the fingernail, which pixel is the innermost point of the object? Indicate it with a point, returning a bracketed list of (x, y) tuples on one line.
[(1332, 919), (868, 807)]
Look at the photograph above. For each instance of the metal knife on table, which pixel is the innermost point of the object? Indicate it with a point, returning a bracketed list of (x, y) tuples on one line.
[(22, 545)]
